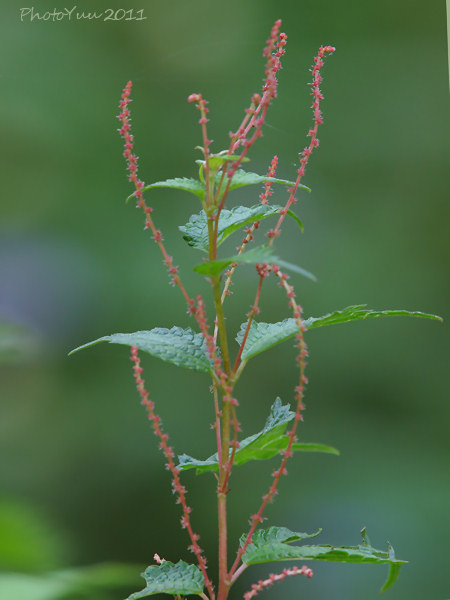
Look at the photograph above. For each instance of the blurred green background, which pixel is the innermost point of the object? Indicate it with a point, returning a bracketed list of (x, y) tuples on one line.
[(81, 478)]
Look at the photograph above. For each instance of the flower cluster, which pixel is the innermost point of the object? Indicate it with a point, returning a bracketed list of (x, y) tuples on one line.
[(177, 487), (265, 583)]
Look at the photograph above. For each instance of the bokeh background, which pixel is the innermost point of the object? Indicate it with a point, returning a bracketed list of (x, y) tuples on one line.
[(81, 478)]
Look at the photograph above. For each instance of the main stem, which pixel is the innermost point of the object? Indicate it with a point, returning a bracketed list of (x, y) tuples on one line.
[(226, 427), (225, 451)]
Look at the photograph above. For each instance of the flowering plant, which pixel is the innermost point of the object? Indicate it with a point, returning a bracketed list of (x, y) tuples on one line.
[(207, 349)]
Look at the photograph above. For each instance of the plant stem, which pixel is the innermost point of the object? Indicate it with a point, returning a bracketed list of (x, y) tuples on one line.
[(224, 451), (223, 545)]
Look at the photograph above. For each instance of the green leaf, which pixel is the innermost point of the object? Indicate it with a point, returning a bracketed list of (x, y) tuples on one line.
[(243, 178), (181, 347), (359, 312), (187, 184), (218, 159), (296, 269), (276, 551), (215, 162), (168, 578), (261, 446), (393, 573), (263, 336), (313, 447), (261, 537), (196, 230), (265, 547), (260, 254)]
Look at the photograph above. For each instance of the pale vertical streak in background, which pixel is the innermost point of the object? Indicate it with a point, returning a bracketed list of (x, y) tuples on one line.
[(448, 38)]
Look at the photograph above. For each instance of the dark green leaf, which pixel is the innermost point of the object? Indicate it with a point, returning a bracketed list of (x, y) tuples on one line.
[(263, 336), (296, 269), (181, 347), (276, 551), (242, 178), (261, 446), (179, 183), (168, 578), (217, 160), (265, 547), (196, 230), (359, 312), (262, 537), (260, 254)]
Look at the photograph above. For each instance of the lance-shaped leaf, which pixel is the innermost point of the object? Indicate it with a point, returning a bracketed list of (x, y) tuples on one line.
[(194, 186), (215, 161), (242, 178), (196, 230), (218, 159), (181, 347), (260, 254), (263, 336), (261, 537), (174, 579), (359, 313), (266, 548), (261, 446)]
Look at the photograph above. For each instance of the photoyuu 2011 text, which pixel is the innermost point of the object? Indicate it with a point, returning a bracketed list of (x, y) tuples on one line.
[(76, 14)]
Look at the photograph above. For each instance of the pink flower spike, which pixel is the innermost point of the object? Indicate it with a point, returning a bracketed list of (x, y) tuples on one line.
[(312, 133), (168, 452), (273, 578)]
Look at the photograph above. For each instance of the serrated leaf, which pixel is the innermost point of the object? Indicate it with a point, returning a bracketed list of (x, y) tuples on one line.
[(168, 578), (263, 550), (359, 312), (263, 336), (261, 446), (181, 347), (243, 178), (194, 186), (276, 551), (262, 537), (260, 254), (215, 162), (196, 229), (218, 159)]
